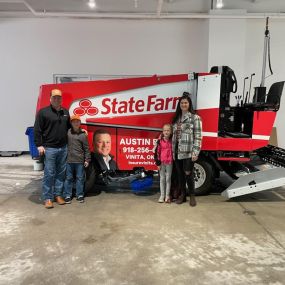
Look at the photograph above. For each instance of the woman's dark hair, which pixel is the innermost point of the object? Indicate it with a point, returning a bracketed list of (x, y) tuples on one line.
[(178, 111)]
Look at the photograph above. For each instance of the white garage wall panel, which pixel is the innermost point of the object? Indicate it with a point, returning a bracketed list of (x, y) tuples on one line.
[(32, 50), (227, 46)]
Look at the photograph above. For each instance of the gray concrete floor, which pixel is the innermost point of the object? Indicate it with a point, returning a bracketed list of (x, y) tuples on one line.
[(127, 239)]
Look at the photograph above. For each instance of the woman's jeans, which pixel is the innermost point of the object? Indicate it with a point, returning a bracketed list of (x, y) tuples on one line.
[(182, 166), (54, 172), (165, 180), (74, 170)]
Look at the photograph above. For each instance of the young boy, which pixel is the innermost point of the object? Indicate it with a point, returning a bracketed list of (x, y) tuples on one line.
[(78, 157)]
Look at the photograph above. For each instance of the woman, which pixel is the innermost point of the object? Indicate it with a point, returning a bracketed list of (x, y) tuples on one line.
[(186, 145)]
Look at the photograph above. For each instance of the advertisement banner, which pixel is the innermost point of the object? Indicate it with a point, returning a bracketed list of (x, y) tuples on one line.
[(129, 148)]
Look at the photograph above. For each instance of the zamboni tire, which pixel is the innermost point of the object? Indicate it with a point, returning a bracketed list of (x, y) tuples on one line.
[(203, 177)]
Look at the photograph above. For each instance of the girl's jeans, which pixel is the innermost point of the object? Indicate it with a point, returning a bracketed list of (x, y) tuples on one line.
[(165, 179)]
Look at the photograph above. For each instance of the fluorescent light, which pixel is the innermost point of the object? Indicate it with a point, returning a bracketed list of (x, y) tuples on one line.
[(92, 4), (219, 4)]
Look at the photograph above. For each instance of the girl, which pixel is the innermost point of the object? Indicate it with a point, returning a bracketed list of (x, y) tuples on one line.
[(164, 158), (186, 145)]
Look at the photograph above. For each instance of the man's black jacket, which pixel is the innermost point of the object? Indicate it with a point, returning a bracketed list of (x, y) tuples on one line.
[(51, 126)]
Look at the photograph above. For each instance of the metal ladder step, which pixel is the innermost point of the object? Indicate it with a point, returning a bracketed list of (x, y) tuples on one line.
[(256, 182)]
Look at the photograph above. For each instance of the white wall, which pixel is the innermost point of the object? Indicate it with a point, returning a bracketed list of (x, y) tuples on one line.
[(227, 45), (32, 50)]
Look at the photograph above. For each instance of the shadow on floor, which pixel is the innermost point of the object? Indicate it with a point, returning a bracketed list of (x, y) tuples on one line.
[(35, 196)]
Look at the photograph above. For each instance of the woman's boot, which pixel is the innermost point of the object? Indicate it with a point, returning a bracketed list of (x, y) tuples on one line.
[(191, 186), (182, 198), (192, 201)]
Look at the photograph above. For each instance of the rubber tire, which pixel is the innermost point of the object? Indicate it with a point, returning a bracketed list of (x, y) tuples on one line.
[(206, 187)]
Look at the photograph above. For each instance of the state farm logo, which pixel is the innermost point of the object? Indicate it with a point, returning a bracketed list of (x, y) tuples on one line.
[(85, 107), (131, 106), (152, 103)]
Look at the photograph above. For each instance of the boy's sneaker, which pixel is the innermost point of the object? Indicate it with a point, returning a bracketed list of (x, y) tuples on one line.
[(80, 199), (67, 200)]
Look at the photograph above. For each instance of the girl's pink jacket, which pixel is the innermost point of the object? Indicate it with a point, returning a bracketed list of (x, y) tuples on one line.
[(164, 151)]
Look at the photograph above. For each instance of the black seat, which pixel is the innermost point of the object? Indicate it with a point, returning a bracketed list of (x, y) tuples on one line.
[(272, 100), (274, 94)]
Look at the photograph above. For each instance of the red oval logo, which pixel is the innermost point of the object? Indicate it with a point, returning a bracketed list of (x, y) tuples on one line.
[(92, 111), (79, 111), (85, 103)]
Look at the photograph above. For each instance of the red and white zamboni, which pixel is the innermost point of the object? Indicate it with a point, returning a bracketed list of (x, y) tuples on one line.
[(133, 110)]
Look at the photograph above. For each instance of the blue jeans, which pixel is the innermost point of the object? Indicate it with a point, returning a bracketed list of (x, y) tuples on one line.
[(78, 170), (54, 172)]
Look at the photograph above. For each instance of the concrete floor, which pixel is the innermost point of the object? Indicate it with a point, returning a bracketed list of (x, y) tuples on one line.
[(127, 239)]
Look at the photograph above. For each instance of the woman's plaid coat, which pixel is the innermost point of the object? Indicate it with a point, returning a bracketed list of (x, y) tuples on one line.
[(190, 140)]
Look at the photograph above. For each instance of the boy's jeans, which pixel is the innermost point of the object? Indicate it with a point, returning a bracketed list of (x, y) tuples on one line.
[(54, 172), (78, 170)]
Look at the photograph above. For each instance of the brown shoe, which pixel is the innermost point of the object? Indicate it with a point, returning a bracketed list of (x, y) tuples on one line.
[(48, 204), (181, 199), (59, 200), (192, 201)]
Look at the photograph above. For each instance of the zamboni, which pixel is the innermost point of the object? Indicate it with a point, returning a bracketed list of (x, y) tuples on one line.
[(235, 136)]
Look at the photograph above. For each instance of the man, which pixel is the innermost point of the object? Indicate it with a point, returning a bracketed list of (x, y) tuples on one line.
[(50, 131), (101, 161), (102, 149)]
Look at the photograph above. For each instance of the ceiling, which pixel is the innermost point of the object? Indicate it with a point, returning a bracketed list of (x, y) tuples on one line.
[(139, 8)]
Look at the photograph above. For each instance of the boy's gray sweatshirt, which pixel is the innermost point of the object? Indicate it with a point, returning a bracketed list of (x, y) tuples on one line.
[(78, 148)]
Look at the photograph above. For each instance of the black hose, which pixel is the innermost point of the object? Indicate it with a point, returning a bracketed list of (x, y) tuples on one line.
[(269, 60)]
